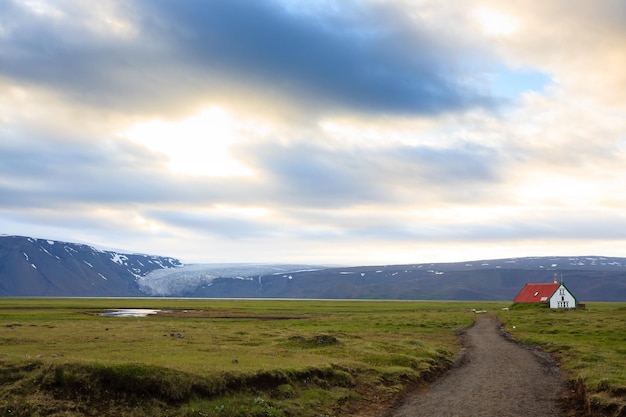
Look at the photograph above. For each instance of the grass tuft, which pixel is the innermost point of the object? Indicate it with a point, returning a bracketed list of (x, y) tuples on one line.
[(321, 340)]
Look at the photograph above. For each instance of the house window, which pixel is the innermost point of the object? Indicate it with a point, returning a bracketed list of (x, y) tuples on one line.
[(562, 291)]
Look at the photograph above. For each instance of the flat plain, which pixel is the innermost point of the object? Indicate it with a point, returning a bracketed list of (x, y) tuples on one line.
[(199, 357)]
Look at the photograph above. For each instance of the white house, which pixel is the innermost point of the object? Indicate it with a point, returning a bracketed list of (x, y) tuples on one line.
[(555, 294), (563, 298)]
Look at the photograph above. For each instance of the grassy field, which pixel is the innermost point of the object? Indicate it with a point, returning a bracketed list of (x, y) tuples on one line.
[(267, 357), (589, 343), (219, 357)]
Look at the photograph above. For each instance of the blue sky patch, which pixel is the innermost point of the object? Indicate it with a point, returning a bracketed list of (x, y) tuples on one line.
[(509, 83)]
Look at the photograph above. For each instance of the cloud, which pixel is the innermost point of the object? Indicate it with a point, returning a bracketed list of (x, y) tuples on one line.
[(229, 223), (307, 173), (371, 58), (368, 58), (580, 49), (375, 130)]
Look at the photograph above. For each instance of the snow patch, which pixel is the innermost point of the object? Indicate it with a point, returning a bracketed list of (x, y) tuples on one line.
[(25, 256), (34, 266), (69, 250), (118, 258)]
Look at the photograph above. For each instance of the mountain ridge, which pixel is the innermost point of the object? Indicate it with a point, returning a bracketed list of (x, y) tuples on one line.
[(42, 267)]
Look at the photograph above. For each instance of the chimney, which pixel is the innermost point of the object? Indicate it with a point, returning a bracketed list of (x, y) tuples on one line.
[(556, 279)]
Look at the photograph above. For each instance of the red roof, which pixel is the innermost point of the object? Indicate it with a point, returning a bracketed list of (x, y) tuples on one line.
[(536, 293)]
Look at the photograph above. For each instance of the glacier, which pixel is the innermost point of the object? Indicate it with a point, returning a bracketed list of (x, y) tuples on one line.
[(183, 280)]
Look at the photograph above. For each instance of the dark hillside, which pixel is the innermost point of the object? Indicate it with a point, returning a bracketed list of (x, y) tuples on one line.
[(604, 280), (38, 267)]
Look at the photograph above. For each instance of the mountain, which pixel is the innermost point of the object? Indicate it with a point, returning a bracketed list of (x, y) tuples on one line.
[(590, 278), (37, 267)]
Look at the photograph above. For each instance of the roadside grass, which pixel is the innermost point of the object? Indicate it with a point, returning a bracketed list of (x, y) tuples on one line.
[(589, 344), (220, 357)]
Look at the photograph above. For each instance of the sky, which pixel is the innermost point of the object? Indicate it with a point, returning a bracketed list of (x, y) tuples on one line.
[(327, 132)]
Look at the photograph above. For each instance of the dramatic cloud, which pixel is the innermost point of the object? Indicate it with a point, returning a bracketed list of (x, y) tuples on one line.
[(371, 57), (315, 131)]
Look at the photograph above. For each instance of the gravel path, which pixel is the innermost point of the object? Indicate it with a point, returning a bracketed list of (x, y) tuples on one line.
[(498, 378)]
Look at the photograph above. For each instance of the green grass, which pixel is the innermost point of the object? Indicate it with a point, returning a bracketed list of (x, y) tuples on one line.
[(219, 357), (270, 358), (590, 344)]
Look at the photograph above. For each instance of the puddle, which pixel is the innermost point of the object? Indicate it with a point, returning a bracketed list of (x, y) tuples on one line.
[(129, 312)]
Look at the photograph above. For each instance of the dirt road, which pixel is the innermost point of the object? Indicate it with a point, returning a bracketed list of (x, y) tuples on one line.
[(497, 379)]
